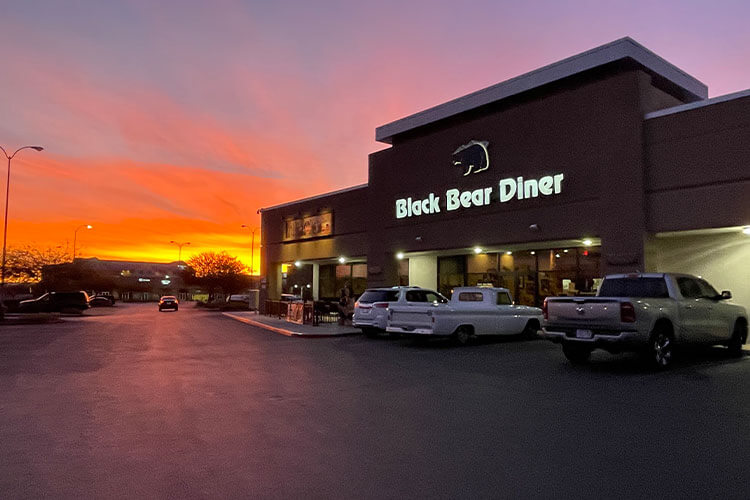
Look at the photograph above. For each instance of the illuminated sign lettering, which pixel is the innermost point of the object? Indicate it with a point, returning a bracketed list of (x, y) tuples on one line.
[(455, 199)]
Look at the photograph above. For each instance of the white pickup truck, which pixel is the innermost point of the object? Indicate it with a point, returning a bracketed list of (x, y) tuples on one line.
[(645, 311), (471, 311)]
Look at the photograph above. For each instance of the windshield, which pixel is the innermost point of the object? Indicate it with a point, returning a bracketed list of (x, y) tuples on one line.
[(655, 288)]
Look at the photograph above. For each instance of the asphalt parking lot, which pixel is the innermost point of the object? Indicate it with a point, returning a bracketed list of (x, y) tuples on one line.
[(129, 402)]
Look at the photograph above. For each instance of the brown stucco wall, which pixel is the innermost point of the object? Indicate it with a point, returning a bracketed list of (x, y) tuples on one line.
[(698, 167), (591, 131)]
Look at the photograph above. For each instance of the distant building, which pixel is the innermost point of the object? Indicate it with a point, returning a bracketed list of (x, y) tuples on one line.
[(126, 280)]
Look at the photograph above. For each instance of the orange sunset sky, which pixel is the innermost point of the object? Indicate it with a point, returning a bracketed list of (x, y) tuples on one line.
[(179, 120)]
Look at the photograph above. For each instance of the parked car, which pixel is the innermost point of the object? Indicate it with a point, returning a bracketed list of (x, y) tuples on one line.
[(56, 302), (101, 301), (169, 302), (651, 312), (371, 309), (472, 311)]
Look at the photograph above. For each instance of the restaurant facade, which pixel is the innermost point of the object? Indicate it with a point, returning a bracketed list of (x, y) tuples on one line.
[(612, 160)]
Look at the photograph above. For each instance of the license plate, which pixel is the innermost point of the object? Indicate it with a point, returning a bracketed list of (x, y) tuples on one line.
[(584, 334)]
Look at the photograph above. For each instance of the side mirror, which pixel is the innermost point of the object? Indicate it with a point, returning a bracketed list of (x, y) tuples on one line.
[(726, 295)]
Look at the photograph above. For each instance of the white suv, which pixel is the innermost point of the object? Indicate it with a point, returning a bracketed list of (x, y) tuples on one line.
[(371, 309)]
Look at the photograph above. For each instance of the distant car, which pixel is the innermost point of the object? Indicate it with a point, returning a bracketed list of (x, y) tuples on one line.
[(168, 302), (56, 302), (234, 298), (371, 309), (101, 301)]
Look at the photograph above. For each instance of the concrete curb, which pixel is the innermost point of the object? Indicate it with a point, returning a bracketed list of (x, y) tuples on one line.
[(284, 331)]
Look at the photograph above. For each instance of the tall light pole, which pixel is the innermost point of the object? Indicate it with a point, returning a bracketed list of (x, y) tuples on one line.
[(252, 247), (179, 245), (5, 226), (75, 236)]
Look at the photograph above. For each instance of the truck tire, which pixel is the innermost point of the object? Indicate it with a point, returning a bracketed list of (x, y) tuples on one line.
[(576, 354), (370, 333), (660, 353), (530, 330), (739, 337), (462, 335)]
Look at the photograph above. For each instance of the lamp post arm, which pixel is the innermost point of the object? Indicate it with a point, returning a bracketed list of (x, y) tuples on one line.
[(5, 225)]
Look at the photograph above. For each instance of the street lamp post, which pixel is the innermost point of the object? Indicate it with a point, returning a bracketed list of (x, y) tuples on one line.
[(5, 225), (252, 247), (179, 245), (75, 236)]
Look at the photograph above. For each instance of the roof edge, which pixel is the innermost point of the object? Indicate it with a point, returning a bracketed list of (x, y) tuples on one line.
[(622, 48), (311, 198), (697, 104)]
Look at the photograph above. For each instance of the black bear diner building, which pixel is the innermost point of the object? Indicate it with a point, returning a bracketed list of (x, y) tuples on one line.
[(612, 160)]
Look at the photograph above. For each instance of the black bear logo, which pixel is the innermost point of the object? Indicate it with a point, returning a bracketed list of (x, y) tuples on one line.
[(472, 156)]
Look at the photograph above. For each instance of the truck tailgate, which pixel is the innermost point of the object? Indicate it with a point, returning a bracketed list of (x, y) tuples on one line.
[(593, 312)]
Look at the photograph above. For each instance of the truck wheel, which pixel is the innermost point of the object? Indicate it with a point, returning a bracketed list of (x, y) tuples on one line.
[(529, 332), (661, 349), (462, 335), (739, 337), (576, 354), (370, 333)]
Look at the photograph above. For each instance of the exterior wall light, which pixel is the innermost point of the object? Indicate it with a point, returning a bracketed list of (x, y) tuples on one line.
[(508, 253), (587, 242), (477, 250), (342, 260), (565, 251), (532, 252), (400, 255), (298, 264), (746, 230)]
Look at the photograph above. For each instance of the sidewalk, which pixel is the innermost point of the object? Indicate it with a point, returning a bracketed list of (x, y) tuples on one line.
[(284, 327)]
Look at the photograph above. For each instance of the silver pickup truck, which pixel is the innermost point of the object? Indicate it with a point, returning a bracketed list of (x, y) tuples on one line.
[(471, 311), (645, 311)]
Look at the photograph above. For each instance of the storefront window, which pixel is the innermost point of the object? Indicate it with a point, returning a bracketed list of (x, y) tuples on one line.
[(334, 277), (451, 273), (403, 272), (530, 275), (297, 281)]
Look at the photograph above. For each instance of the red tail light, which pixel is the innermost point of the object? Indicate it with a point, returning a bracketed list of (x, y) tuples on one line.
[(627, 312), (381, 305), (545, 311)]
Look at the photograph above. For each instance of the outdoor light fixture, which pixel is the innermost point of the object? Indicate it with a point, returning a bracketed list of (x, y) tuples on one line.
[(298, 263), (746, 230), (308, 285), (565, 251), (508, 253), (557, 255), (532, 252), (400, 255), (342, 260), (477, 250), (587, 242)]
